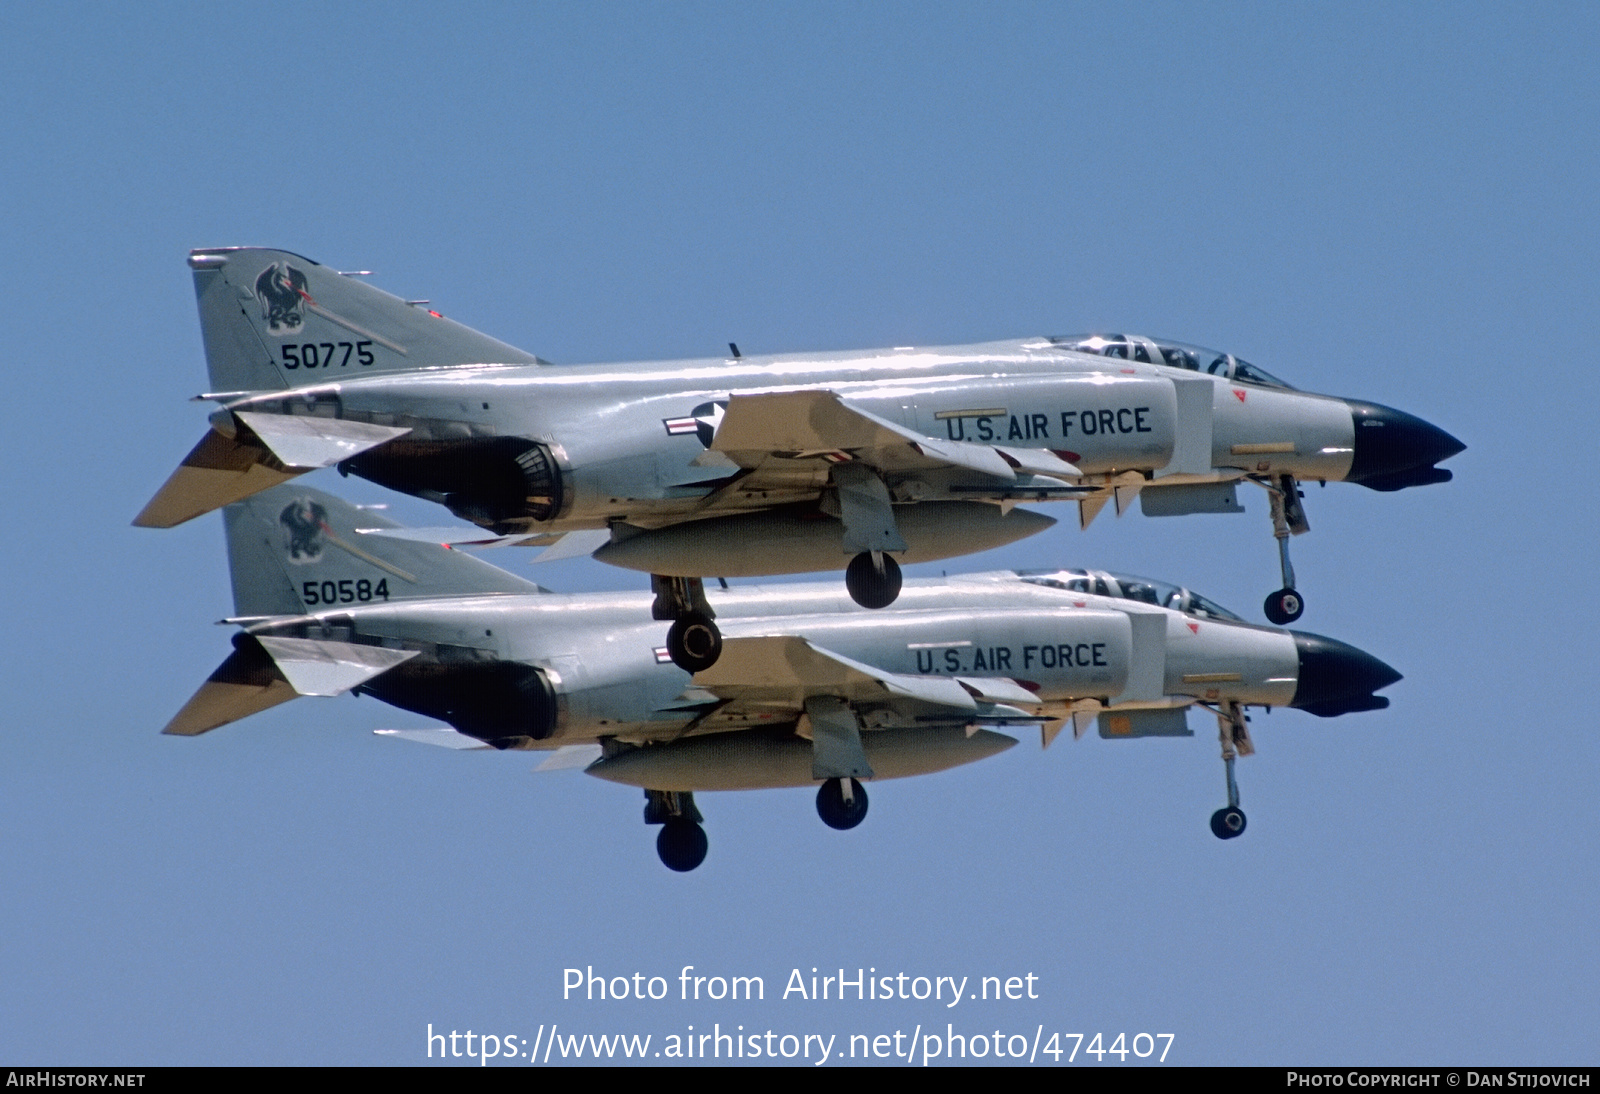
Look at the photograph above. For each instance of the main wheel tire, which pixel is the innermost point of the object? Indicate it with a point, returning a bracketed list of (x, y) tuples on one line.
[(682, 845), (1227, 822), (835, 811), (867, 586), (1284, 607), (694, 643)]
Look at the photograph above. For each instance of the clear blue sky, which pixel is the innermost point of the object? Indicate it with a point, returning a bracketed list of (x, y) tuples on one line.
[(1391, 202)]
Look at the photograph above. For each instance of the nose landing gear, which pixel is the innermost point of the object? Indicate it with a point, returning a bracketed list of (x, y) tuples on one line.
[(1229, 821), (1288, 518)]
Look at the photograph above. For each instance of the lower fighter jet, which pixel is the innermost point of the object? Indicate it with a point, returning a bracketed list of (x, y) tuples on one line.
[(807, 691)]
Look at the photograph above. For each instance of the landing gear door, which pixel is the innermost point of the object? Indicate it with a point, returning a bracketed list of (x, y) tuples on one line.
[(1191, 452)]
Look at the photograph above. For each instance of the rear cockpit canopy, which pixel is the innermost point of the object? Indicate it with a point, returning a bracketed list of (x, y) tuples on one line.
[(1127, 587), (1135, 347)]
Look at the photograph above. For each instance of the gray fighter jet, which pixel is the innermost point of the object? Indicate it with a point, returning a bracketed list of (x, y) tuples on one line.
[(808, 691), (752, 466)]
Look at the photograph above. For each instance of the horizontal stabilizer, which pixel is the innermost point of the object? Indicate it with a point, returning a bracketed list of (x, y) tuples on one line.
[(247, 683), (442, 736), (304, 442), (262, 672), (319, 667), (257, 452), (220, 470)]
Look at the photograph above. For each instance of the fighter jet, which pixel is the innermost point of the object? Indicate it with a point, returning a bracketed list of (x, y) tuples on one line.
[(748, 466), (808, 691)]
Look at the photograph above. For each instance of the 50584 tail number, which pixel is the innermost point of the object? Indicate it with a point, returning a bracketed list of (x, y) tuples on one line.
[(346, 591)]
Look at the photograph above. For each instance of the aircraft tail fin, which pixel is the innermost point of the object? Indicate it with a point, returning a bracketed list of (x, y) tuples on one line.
[(272, 320), (293, 550)]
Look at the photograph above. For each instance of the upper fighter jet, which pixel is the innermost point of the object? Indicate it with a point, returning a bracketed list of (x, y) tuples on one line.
[(749, 466), (807, 691)]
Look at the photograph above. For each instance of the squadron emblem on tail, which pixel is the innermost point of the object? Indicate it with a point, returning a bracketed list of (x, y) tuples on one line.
[(304, 520), (281, 289)]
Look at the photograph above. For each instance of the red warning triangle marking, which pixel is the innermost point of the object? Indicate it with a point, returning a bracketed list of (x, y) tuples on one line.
[(1239, 394), (1194, 627)]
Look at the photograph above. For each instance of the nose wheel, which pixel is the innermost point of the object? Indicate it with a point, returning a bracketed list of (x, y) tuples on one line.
[(694, 641), (842, 803), (1229, 821), (1288, 519), (1284, 607), (873, 579)]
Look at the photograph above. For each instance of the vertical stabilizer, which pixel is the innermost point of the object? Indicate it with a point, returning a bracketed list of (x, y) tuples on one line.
[(294, 550), (272, 320)]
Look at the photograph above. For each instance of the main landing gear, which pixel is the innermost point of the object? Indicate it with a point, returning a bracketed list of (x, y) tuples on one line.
[(682, 843), (873, 579), (1288, 518), (865, 510), (694, 642), (1229, 821), (842, 803)]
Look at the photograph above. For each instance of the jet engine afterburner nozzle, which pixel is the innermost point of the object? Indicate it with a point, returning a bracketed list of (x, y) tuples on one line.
[(1336, 678), (1394, 450)]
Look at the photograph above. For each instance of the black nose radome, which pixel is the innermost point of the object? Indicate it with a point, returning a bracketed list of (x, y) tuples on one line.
[(1336, 678), (1394, 450)]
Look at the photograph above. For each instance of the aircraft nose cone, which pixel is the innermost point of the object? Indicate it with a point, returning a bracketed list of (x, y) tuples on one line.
[(1394, 449), (1336, 678)]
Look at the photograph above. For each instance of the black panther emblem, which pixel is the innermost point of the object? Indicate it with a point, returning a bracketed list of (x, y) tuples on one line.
[(281, 289), (304, 520)]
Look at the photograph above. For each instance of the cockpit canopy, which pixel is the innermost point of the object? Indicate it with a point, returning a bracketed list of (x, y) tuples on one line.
[(1128, 587), (1135, 347)]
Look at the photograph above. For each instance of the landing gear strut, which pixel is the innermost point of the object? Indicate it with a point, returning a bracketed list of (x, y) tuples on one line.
[(682, 843), (842, 803), (694, 643), (873, 579), (1229, 821), (1288, 518)]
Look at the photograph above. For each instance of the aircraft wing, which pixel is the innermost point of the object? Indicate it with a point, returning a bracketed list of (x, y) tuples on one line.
[(769, 679), (765, 434)]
